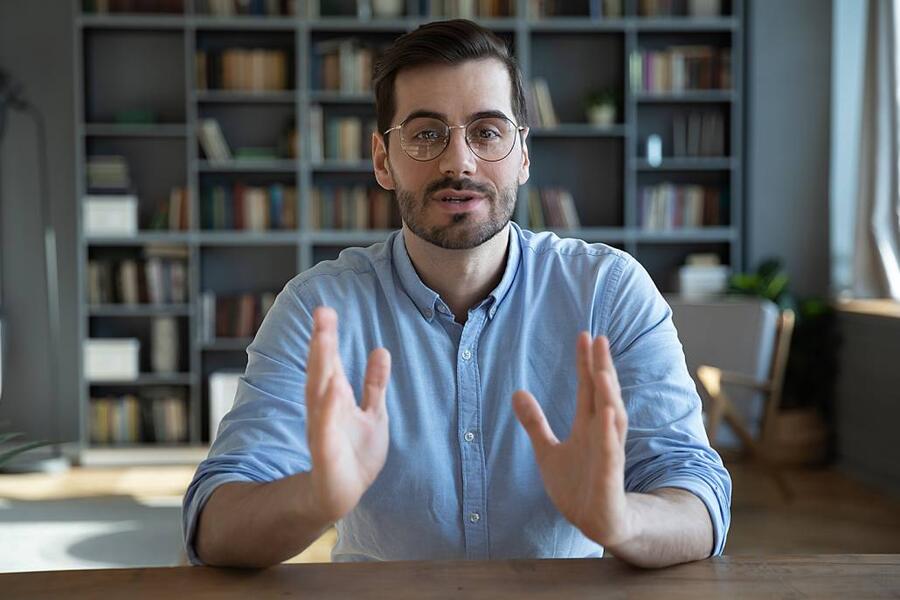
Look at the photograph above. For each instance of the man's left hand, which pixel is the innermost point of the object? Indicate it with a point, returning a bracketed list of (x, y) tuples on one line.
[(585, 475)]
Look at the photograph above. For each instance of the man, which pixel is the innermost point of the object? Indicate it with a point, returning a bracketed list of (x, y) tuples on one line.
[(400, 426)]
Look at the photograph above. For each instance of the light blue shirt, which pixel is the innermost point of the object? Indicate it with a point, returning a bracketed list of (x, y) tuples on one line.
[(460, 479)]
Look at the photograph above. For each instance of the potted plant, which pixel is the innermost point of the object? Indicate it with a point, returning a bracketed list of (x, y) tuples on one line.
[(800, 434), (600, 107), (7, 454)]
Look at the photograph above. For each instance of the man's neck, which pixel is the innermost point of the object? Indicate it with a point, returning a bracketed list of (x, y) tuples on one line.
[(462, 278)]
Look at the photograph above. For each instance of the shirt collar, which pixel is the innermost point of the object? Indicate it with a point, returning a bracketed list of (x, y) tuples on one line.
[(426, 299)]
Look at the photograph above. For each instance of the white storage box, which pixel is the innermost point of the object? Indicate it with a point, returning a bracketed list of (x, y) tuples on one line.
[(702, 281), (111, 359), (110, 215)]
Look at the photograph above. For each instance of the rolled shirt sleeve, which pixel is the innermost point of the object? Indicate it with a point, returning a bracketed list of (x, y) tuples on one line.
[(263, 437), (666, 445)]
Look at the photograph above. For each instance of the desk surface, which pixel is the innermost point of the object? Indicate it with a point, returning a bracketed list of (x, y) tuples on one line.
[(823, 576)]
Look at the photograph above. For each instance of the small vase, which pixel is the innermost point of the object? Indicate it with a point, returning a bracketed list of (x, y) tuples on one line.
[(603, 114)]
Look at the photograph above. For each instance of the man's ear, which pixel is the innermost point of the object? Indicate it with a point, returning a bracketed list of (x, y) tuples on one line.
[(381, 163), (524, 170)]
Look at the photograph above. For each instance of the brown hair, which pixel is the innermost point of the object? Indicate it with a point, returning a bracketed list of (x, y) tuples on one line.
[(442, 42)]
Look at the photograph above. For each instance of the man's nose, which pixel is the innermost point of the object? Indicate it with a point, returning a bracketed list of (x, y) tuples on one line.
[(457, 158)]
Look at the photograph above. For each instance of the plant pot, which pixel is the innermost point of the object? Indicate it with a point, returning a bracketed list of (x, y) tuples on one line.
[(601, 114), (799, 438)]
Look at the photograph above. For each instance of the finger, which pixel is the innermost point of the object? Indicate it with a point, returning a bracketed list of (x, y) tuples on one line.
[(611, 443), (584, 361), (603, 364), (532, 418), (330, 404), (319, 363), (608, 388), (378, 373)]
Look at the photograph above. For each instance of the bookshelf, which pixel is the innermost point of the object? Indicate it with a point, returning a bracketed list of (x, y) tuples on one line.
[(143, 95)]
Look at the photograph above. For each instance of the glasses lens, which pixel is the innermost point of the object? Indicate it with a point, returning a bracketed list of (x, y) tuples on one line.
[(423, 138), (491, 138)]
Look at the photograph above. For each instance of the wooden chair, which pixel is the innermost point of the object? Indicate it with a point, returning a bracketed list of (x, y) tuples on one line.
[(737, 349), (719, 406)]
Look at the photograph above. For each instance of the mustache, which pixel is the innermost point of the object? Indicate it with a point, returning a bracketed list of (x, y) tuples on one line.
[(458, 185)]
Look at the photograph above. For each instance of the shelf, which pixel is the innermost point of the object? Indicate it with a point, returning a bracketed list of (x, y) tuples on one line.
[(684, 24), (225, 345), (139, 310), (343, 236), (347, 23), (686, 96), (577, 24), (340, 166), (173, 130), (245, 96), (143, 237), (332, 97), (228, 238), (243, 22), (247, 166), (142, 454), (131, 21), (579, 130), (703, 234), (147, 379), (687, 164)]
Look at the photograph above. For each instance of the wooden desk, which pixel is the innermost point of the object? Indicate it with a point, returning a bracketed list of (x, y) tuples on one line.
[(824, 576)]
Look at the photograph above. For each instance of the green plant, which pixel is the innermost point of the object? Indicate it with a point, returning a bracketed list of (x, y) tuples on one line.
[(604, 97), (8, 454), (769, 281)]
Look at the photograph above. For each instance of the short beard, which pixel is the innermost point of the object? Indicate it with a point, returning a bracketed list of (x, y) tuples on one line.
[(463, 233)]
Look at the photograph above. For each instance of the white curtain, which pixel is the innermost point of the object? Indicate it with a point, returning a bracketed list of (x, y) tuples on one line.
[(876, 252)]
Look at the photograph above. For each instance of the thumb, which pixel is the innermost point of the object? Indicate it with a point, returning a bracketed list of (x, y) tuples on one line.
[(532, 418)]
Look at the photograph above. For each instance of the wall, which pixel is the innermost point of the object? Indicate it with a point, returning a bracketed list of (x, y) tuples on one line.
[(788, 124), (36, 50)]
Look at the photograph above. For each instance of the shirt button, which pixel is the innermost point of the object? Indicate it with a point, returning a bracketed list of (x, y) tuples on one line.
[(467, 354), (469, 436), (474, 517), (427, 314)]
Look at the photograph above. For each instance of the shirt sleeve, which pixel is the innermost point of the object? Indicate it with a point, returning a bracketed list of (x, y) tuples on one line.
[(263, 437), (666, 445)]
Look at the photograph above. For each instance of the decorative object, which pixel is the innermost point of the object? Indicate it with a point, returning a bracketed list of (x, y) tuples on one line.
[(600, 108)]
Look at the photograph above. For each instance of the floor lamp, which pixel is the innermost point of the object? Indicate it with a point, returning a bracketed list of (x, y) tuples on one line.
[(12, 98)]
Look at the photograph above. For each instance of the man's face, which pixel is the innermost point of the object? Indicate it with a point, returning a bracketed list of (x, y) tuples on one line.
[(423, 188)]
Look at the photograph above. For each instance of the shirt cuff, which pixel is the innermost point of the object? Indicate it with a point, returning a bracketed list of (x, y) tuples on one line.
[(194, 500), (717, 504)]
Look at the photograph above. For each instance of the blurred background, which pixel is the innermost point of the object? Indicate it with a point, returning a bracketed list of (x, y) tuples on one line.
[(166, 166)]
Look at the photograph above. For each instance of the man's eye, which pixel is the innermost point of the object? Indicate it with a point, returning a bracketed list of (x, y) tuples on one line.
[(486, 133), (427, 135)]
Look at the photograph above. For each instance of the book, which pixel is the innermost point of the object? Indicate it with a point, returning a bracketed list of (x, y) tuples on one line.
[(212, 140)]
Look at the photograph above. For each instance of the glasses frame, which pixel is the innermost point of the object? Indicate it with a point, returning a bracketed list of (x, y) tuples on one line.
[(450, 128)]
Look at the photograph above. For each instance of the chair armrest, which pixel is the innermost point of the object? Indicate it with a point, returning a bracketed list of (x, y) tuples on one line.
[(713, 378)]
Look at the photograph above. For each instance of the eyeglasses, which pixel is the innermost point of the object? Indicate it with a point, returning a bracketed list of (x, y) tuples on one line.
[(490, 138)]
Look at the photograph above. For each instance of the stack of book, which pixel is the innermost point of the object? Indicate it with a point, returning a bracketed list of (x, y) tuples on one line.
[(174, 215), (160, 278), (253, 208), (681, 68), (346, 138), (235, 315), (345, 65), (353, 207), (239, 69), (668, 206), (698, 133), (259, 8), (541, 104), (158, 416), (595, 9), (470, 9), (553, 208)]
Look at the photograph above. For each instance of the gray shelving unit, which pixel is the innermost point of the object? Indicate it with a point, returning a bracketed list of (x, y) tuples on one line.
[(119, 55)]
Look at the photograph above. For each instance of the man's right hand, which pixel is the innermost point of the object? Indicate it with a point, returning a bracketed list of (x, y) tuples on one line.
[(348, 443)]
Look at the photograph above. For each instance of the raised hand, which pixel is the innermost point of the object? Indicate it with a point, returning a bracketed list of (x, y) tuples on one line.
[(348, 443), (585, 475)]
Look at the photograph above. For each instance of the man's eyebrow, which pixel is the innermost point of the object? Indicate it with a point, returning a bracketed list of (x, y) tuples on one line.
[(439, 115)]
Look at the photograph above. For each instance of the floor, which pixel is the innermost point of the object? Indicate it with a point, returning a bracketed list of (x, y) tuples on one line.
[(120, 517)]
